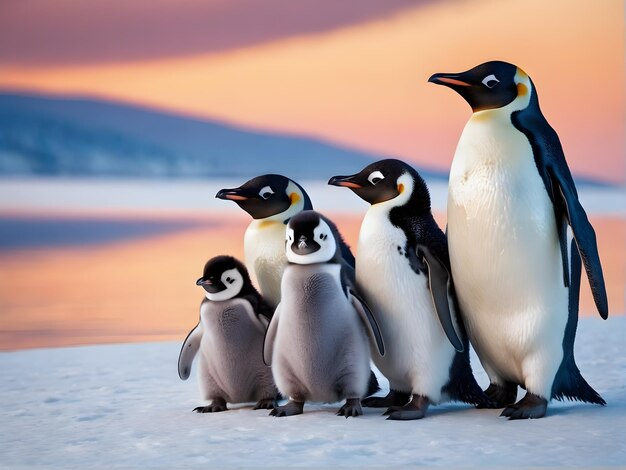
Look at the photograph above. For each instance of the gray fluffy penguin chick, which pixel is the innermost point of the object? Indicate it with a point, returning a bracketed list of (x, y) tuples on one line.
[(229, 340), (317, 341)]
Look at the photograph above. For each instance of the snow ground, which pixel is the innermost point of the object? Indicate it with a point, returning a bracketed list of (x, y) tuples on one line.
[(124, 405)]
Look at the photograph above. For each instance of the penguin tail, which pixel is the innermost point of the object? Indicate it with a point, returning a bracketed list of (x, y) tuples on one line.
[(569, 384), (372, 386)]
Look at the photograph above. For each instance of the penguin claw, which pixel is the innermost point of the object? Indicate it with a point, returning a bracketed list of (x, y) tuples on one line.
[(292, 408), (265, 404), (530, 407), (415, 409), (210, 409), (352, 407), (500, 396)]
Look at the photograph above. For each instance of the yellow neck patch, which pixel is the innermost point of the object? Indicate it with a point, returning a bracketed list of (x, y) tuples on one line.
[(293, 197), (400, 188), (521, 89)]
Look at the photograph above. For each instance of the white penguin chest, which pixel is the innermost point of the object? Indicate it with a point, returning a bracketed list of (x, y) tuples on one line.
[(501, 225), (503, 244), (264, 247), (399, 297)]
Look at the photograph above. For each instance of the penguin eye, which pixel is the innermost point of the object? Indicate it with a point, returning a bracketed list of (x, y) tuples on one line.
[(323, 236), (375, 177), (230, 280), (266, 192), (490, 81)]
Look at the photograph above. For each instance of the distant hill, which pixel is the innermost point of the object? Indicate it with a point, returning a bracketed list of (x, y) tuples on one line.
[(51, 136)]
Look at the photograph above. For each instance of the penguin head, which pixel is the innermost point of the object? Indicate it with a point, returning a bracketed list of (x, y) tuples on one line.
[(273, 197), (387, 180), (223, 278), (311, 238), (490, 85)]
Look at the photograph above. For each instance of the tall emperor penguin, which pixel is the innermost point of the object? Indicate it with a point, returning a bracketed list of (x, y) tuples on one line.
[(511, 198)]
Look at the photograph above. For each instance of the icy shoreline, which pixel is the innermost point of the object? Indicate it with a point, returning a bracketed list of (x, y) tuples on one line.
[(199, 195)]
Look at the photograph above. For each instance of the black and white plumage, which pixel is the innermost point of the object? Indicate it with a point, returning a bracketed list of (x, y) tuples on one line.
[(511, 198), (317, 342), (229, 339), (271, 200), (403, 272)]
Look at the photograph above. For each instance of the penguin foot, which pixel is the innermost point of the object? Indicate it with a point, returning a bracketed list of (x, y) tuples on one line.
[(415, 409), (501, 396), (530, 407), (290, 409), (265, 404), (217, 405), (393, 399), (352, 407)]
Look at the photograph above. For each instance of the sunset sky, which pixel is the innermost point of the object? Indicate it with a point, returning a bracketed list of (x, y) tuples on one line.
[(352, 72)]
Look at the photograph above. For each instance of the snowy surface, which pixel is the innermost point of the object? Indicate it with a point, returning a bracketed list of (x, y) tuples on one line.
[(199, 195), (123, 405)]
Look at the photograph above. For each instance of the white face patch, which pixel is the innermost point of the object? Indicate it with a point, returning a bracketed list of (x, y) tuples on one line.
[(297, 203), (490, 81), (266, 192), (323, 236), (233, 280), (375, 177)]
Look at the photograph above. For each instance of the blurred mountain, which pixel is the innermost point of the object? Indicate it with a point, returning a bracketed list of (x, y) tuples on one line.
[(51, 136)]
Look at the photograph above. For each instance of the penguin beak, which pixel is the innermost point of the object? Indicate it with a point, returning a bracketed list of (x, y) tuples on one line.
[(302, 243), (204, 282), (451, 80), (345, 181), (234, 194)]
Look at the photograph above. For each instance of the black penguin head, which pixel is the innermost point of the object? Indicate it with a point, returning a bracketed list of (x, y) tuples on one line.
[(311, 238), (487, 86), (269, 196), (387, 180), (223, 278)]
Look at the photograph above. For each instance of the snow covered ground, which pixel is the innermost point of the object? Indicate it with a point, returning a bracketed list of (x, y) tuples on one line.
[(123, 405)]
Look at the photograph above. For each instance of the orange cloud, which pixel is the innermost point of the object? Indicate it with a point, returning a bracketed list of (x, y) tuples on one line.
[(365, 85)]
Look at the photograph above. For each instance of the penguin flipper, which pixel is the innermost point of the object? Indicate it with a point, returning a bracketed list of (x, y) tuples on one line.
[(270, 336), (189, 350), (369, 321), (585, 238), (442, 294), (557, 178)]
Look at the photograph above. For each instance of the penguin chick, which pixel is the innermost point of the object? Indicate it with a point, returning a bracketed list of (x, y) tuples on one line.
[(403, 272), (511, 198), (317, 341), (229, 339)]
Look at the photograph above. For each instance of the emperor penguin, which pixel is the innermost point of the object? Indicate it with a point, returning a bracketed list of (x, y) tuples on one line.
[(317, 342), (511, 198), (403, 273), (271, 200), (229, 340)]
